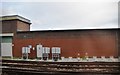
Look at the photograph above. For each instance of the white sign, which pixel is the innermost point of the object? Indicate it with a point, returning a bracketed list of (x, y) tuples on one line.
[(39, 50)]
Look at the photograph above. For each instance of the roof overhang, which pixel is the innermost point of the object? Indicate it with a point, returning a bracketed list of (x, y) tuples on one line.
[(14, 17)]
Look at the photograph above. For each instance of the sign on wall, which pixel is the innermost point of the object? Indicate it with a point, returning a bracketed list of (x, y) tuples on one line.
[(39, 50)]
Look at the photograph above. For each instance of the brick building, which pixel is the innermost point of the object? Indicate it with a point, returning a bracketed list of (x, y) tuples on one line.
[(16, 34)]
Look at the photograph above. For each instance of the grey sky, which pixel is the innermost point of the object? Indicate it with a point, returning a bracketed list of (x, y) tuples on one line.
[(65, 15)]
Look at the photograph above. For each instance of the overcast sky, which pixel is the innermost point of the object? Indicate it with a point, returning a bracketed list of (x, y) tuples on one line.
[(65, 14)]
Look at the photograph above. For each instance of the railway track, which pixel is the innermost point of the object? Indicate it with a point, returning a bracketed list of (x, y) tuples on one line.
[(39, 67)]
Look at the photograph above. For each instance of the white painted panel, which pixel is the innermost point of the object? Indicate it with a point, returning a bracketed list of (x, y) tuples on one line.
[(6, 49), (23, 50), (28, 49), (43, 49), (7, 34), (39, 50), (56, 50), (53, 49), (47, 50), (59, 51)]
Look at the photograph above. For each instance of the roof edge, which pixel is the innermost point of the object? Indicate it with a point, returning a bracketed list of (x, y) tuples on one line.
[(14, 17), (69, 30)]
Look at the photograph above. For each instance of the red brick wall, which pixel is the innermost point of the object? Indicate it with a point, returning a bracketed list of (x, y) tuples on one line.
[(23, 26), (99, 43), (9, 26)]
